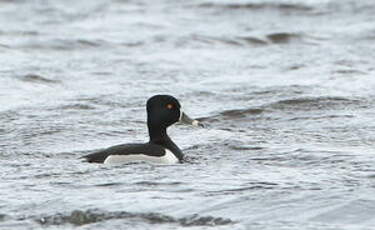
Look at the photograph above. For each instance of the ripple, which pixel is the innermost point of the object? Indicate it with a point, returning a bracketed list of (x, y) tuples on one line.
[(241, 113), (253, 40), (273, 38), (254, 186), (35, 78), (80, 218), (66, 44), (246, 147), (19, 33), (214, 40), (3, 217), (233, 113), (280, 38), (4, 46), (151, 183), (306, 110), (259, 6), (314, 103), (77, 107), (352, 212), (109, 184)]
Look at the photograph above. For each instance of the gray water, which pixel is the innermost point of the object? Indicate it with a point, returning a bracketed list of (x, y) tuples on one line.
[(285, 88)]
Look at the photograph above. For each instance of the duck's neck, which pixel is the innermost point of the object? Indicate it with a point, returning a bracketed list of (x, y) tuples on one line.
[(159, 136)]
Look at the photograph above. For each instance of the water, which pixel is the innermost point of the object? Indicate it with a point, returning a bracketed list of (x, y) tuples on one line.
[(285, 88)]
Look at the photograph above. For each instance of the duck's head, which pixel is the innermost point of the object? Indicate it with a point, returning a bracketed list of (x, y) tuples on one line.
[(165, 110)]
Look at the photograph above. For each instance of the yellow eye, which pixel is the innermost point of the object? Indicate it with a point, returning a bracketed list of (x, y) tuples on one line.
[(169, 106)]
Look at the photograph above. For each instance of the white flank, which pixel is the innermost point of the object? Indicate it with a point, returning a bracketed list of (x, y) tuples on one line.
[(168, 158)]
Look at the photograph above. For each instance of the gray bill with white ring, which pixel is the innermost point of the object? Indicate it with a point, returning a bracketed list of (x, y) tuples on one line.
[(185, 119)]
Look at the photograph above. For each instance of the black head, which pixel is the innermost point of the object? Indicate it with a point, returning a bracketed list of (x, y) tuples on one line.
[(163, 111)]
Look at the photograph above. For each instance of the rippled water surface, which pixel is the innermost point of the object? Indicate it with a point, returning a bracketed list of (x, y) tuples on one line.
[(286, 89)]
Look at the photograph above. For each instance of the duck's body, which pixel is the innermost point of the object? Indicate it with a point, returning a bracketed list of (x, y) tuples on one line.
[(125, 153), (162, 111)]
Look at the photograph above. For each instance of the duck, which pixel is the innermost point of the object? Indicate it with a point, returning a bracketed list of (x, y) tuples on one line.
[(162, 112)]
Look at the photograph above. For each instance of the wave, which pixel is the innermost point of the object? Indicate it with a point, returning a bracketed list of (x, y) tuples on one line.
[(314, 103), (3, 217), (35, 78), (90, 216), (258, 6), (66, 44), (284, 37), (254, 40), (293, 104)]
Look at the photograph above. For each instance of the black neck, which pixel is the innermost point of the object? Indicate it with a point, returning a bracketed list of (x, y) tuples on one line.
[(158, 135)]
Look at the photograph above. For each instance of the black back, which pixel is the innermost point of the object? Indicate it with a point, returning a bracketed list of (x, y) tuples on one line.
[(126, 149)]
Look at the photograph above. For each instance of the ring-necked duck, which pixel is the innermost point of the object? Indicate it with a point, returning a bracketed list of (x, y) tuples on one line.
[(162, 112)]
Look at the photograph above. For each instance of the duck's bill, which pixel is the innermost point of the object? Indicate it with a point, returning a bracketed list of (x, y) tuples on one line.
[(185, 119)]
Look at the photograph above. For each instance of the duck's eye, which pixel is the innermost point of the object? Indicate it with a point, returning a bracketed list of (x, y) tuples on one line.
[(169, 106)]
